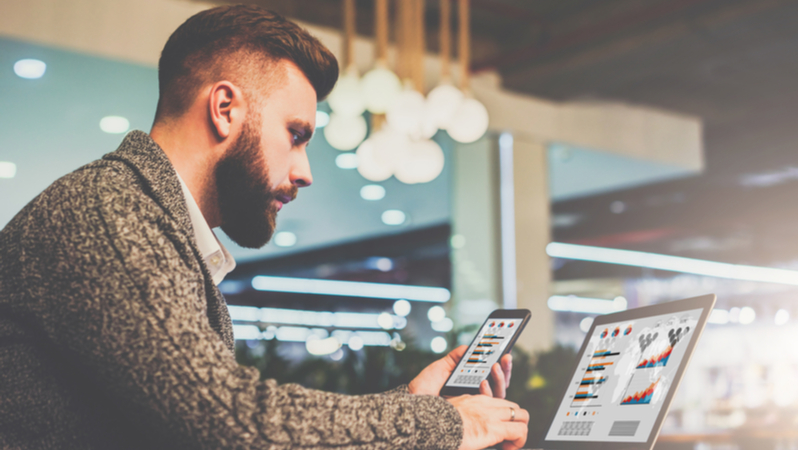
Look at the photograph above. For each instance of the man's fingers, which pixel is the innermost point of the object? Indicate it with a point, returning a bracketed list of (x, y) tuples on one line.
[(498, 381), (484, 388), (455, 356), (505, 364), (516, 435), (520, 415)]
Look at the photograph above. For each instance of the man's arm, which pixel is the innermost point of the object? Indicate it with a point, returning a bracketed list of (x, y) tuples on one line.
[(123, 298)]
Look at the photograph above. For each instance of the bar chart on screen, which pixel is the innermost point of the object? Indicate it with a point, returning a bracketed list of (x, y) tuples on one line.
[(590, 387)]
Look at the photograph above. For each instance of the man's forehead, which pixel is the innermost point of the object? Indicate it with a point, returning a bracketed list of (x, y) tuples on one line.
[(295, 87)]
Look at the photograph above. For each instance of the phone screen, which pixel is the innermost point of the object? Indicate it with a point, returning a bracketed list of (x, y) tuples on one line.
[(483, 352)]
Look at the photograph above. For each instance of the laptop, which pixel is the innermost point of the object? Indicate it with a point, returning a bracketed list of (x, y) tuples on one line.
[(628, 370)]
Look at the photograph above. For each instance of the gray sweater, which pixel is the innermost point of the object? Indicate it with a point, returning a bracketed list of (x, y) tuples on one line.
[(113, 335)]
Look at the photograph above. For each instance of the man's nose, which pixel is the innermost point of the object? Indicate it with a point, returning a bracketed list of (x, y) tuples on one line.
[(300, 174)]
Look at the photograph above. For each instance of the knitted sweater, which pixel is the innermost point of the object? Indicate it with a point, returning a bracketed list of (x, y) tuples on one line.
[(113, 335)]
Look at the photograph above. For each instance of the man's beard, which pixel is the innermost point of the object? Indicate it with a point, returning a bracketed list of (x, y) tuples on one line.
[(246, 201)]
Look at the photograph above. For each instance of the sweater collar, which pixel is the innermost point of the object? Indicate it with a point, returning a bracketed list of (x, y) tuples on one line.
[(150, 162)]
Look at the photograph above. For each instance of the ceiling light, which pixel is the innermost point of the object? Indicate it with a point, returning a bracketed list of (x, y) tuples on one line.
[(671, 263), (355, 343), (373, 192), (458, 241), (571, 303), (30, 69), (385, 321), (345, 132), (402, 307), (325, 319), (380, 88), (347, 161), (718, 316), (322, 119), (350, 288), (7, 169), (436, 313), (747, 315), (781, 317), (114, 124), (346, 98), (438, 344), (377, 155), (285, 239), (733, 314), (393, 217), (317, 346), (443, 325), (617, 207), (469, 123), (586, 324)]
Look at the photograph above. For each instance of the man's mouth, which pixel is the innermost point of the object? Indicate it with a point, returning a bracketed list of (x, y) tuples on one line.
[(282, 200)]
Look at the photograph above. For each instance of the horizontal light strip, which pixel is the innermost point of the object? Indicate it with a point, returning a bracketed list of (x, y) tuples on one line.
[(350, 288), (571, 303), (671, 263), (301, 334), (324, 319)]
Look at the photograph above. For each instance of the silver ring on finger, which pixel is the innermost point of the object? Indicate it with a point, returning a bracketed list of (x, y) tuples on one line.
[(513, 414)]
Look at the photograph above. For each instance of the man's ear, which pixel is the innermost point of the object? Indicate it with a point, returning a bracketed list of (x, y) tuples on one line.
[(226, 108)]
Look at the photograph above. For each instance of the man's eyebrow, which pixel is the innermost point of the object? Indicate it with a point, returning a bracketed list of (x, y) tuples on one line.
[(302, 128)]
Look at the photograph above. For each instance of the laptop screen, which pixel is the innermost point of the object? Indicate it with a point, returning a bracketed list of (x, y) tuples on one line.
[(623, 377)]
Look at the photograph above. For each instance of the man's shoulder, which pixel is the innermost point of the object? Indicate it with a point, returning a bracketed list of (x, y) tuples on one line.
[(103, 181), (107, 185)]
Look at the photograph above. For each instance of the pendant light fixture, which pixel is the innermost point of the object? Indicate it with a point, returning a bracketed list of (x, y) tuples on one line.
[(347, 127), (444, 99), (380, 86), (471, 120)]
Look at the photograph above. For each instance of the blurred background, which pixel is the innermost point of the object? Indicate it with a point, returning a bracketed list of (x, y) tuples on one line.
[(491, 165)]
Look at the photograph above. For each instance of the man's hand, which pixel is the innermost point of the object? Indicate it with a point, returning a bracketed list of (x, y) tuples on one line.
[(487, 421), (431, 380)]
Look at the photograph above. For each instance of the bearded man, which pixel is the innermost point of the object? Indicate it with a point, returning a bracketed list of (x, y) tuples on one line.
[(113, 333)]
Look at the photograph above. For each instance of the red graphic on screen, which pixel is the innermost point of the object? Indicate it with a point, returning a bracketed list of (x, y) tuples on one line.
[(615, 333), (604, 334), (643, 397), (511, 325), (502, 324), (657, 360), (628, 330)]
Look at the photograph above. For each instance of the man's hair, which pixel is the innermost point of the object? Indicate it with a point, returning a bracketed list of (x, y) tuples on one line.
[(242, 44)]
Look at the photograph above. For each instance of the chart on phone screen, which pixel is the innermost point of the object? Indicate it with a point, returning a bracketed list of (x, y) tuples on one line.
[(483, 352), (618, 388)]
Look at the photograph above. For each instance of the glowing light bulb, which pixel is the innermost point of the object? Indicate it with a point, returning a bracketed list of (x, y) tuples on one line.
[(423, 163), (346, 98), (469, 123), (438, 344), (380, 88), (436, 313), (442, 103), (345, 132), (402, 307), (409, 116), (369, 166)]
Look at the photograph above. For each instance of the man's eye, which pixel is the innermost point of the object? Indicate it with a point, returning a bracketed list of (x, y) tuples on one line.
[(295, 136)]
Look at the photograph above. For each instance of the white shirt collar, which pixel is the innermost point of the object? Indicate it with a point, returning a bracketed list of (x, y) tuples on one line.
[(220, 263)]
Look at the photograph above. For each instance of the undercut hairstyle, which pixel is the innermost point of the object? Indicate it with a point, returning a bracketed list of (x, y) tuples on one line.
[(241, 44)]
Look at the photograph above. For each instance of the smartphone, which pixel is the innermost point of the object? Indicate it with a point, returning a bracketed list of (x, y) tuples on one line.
[(495, 338)]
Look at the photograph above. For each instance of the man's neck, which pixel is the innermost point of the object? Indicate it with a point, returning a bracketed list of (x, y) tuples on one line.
[(194, 160)]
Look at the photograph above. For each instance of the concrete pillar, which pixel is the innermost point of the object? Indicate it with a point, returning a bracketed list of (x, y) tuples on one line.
[(475, 240), (531, 235)]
